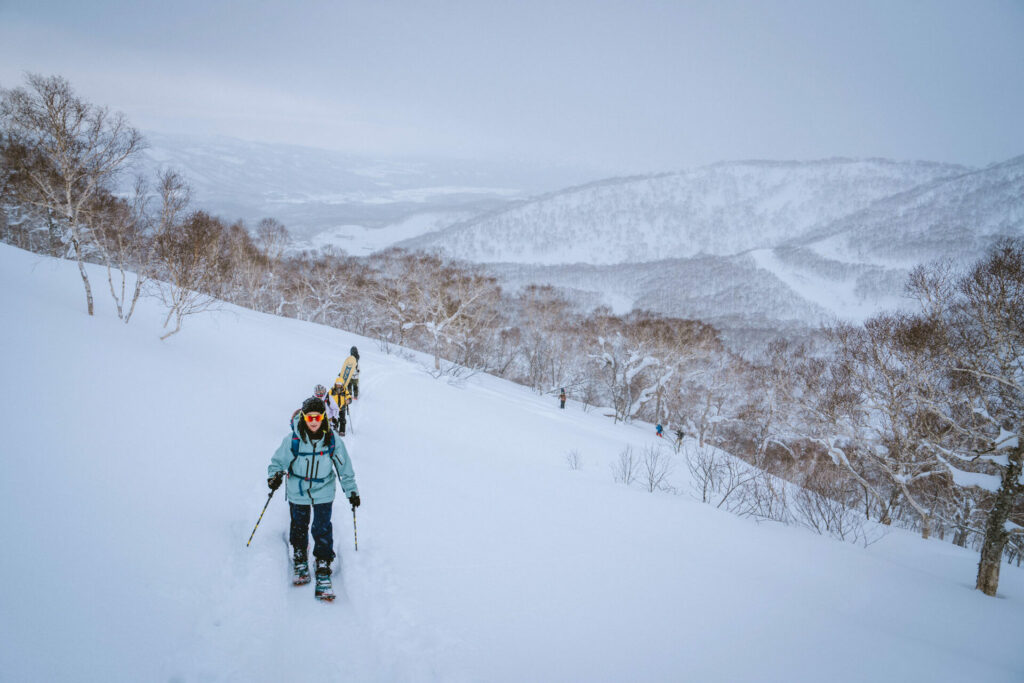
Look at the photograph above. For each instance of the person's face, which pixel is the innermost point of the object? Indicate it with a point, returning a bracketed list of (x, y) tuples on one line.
[(313, 421)]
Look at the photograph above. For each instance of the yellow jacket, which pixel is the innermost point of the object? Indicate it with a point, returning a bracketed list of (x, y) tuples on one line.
[(342, 396)]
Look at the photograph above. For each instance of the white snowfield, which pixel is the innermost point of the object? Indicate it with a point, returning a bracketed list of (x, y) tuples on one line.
[(134, 471)]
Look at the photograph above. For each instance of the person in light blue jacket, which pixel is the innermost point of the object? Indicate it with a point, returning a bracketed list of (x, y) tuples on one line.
[(313, 457)]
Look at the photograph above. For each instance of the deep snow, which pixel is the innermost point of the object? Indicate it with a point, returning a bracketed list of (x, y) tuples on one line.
[(134, 471)]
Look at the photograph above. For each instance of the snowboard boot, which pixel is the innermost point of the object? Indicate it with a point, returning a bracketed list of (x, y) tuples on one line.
[(300, 567), (324, 590)]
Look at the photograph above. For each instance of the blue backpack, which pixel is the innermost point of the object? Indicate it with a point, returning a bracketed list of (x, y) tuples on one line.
[(295, 453)]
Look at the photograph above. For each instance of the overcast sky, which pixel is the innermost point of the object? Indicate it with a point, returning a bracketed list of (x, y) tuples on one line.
[(631, 86)]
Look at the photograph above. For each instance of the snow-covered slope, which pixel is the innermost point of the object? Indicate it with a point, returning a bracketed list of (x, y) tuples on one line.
[(721, 210), (135, 471), (749, 297)]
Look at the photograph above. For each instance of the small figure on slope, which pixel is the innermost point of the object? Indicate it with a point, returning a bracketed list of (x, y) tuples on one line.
[(561, 399), (311, 457), (353, 383), (659, 430)]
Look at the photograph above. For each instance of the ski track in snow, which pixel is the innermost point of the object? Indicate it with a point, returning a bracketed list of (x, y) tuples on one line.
[(833, 295)]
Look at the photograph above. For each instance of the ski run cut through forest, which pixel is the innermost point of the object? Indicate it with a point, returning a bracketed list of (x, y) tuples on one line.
[(495, 542)]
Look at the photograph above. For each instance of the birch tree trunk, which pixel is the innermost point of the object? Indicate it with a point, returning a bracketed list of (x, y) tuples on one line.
[(996, 533)]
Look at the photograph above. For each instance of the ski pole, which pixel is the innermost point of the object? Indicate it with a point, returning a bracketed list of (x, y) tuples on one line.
[(355, 532), (351, 425), (261, 517)]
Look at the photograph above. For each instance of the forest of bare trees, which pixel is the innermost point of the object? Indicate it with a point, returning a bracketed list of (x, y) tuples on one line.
[(911, 419)]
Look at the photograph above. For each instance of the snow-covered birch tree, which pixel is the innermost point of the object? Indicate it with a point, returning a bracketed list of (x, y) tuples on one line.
[(889, 409), (188, 256), (971, 328), (71, 152), (627, 371)]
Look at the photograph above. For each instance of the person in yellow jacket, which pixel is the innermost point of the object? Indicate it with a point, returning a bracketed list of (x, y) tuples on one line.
[(342, 397)]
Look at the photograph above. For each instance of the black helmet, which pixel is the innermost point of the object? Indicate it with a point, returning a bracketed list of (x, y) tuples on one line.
[(355, 352), (313, 405)]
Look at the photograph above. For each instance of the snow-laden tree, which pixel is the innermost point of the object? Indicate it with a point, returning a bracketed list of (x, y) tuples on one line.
[(893, 425), (449, 307), (250, 278), (393, 296), (272, 238), (70, 153), (707, 397), (542, 315), (769, 389), (971, 329), (630, 375), (457, 308), (121, 233), (189, 256), (671, 350), (322, 286)]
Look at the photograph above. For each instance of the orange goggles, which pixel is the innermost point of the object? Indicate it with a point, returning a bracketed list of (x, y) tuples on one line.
[(312, 417)]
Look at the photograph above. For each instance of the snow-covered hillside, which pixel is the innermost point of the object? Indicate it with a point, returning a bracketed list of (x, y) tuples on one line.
[(766, 289), (950, 217), (135, 470), (723, 209), (749, 246)]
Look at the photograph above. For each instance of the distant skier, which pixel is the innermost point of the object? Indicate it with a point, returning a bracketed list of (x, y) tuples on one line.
[(679, 437), (561, 399), (310, 456), (353, 383), (659, 430)]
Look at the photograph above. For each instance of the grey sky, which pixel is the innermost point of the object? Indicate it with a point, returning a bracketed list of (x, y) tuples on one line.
[(633, 86)]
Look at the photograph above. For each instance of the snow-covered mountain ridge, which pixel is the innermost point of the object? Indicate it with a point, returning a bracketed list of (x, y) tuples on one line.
[(721, 210), (958, 216)]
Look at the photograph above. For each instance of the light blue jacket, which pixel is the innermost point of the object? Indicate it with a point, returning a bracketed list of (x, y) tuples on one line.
[(311, 477)]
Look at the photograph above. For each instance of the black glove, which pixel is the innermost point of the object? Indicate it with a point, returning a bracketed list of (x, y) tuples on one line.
[(275, 481), (354, 499)]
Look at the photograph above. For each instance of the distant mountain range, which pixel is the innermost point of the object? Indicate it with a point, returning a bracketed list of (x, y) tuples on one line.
[(751, 246), (720, 210), (748, 245)]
